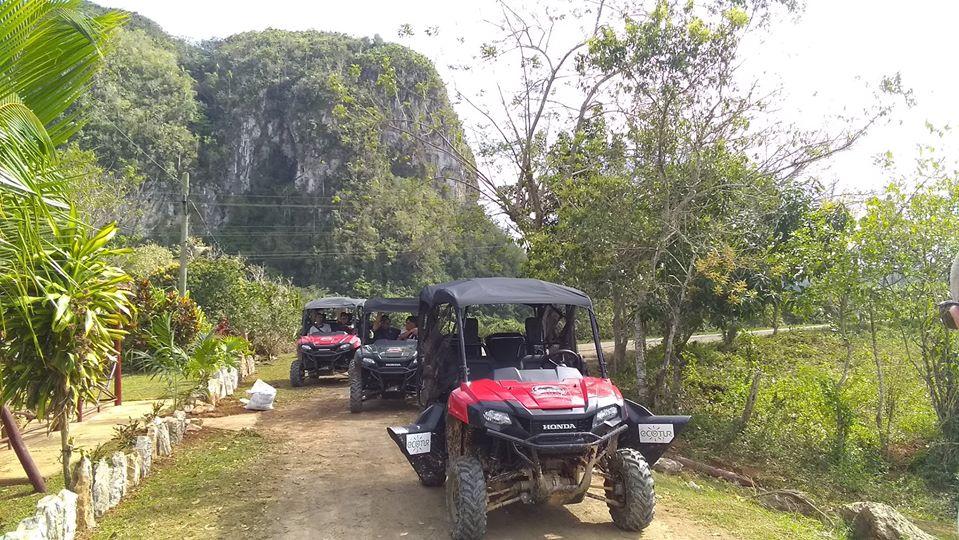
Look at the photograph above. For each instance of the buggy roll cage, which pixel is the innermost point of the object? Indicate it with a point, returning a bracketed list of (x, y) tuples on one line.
[(331, 302), (461, 294), (385, 305)]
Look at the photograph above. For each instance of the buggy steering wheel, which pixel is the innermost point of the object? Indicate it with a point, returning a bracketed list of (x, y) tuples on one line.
[(559, 354)]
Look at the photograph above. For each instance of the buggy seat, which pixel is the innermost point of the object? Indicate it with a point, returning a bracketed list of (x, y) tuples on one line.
[(506, 349)]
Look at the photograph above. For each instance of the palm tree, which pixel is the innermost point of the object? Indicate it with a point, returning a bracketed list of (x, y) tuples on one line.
[(61, 305)]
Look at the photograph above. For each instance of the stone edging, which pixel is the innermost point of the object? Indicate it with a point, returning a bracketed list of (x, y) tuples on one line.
[(99, 487)]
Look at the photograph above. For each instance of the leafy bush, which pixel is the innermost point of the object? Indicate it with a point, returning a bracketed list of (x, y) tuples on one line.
[(264, 309), (197, 361), (187, 319), (145, 261), (61, 317), (805, 431)]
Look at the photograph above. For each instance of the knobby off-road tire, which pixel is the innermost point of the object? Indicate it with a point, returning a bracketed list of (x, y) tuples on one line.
[(297, 373), (631, 482), (466, 498), (356, 386)]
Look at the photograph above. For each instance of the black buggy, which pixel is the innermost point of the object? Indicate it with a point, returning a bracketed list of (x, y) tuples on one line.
[(515, 417), (384, 367), (325, 345)]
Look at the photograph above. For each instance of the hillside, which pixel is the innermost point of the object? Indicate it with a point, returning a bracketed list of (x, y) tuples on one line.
[(297, 158)]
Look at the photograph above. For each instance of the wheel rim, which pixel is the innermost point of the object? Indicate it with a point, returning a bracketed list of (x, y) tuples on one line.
[(617, 483)]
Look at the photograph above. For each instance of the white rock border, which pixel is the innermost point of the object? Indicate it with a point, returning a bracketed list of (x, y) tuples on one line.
[(109, 480)]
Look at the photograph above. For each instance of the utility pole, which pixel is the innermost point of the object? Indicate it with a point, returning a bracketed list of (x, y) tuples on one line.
[(184, 235)]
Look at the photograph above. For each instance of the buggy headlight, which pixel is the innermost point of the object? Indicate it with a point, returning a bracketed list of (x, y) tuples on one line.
[(498, 418), (305, 347), (368, 361), (605, 414), (344, 346)]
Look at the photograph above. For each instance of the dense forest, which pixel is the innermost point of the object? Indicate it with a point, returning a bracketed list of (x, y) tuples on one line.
[(293, 164)]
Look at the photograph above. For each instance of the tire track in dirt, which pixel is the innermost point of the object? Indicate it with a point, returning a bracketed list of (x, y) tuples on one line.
[(339, 476)]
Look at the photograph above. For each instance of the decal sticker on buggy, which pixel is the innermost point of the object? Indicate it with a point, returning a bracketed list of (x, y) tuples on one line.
[(656, 433), (548, 391), (419, 443)]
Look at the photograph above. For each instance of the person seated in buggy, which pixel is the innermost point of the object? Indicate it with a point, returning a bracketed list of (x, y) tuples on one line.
[(319, 324), (409, 329), (343, 323), (384, 329)]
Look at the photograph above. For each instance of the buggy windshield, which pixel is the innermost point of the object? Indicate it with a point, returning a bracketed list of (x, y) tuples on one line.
[(376, 313), (330, 315), (499, 327)]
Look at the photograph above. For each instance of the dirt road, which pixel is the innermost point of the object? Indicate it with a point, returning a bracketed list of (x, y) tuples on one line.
[(343, 478)]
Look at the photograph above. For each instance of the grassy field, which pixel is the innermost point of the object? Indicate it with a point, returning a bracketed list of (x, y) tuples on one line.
[(19, 501), (208, 489), (140, 386), (719, 504), (796, 403)]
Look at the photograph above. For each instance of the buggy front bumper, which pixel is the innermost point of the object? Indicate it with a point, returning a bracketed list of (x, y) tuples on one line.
[(556, 443), (325, 359)]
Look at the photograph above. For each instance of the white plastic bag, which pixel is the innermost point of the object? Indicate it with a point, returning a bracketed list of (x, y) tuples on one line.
[(261, 396)]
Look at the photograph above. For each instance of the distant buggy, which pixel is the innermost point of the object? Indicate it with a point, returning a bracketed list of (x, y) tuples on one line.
[(325, 345), (383, 368)]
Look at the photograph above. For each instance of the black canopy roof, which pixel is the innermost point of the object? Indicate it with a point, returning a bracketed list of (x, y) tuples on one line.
[(333, 302), (498, 290), (393, 305)]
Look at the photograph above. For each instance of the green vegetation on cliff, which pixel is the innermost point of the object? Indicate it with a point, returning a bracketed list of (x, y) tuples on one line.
[(298, 159)]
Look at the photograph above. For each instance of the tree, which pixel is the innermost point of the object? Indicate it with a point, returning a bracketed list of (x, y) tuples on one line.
[(140, 110), (557, 92), (832, 276), (911, 232), (61, 304), (691, 140)]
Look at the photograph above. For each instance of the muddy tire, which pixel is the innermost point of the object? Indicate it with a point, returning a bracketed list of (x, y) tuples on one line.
[(630, 483), (466, 498), (356, 386), (297, 373)]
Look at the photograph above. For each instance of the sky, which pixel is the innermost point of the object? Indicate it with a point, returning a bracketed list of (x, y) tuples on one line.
[(828, 62)]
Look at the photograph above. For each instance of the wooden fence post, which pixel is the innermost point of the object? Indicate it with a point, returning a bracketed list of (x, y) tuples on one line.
[(13, 434), (118, 376)]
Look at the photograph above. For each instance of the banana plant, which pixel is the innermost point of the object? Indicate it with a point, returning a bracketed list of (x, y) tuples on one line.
[(195, 362)]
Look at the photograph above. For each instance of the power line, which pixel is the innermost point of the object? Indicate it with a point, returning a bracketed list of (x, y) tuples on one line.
[(311, 254), (144, 152), (206, 226), (267, 205), (290, 196)]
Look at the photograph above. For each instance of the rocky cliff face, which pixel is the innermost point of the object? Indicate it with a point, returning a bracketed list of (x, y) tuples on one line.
[(273, 115), (300, 116), (335, 160)]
